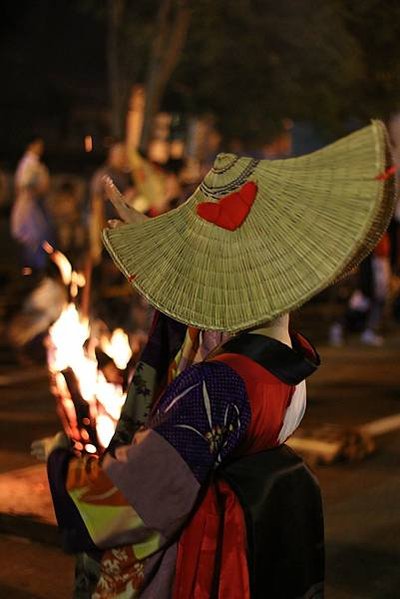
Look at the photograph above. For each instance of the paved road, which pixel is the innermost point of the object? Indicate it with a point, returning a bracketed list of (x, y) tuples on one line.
[(362, 500), (34, 571), (362, 525)]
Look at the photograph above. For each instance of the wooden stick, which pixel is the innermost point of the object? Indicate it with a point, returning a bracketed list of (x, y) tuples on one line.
[(382, 425), (327, 451), (82, 409)]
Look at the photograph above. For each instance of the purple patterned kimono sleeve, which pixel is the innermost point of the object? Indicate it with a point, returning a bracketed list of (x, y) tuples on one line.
[(199, 421)]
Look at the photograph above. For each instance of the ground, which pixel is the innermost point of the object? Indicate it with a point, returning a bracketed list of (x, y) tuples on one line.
[(33, 570), (362, 508)]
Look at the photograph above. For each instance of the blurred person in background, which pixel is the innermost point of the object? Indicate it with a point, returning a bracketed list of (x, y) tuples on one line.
[(67, 211), (395, 260), (111, 293), (30, 221), (116, 167), (366, 306), (378, 291), (173, 191), (30, 169), (394, 232), (175, 194)]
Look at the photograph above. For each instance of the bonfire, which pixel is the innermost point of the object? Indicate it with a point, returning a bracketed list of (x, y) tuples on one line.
[(87, 366)]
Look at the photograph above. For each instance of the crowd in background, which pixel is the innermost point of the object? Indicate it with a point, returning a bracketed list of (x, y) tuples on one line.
[(68, 214)]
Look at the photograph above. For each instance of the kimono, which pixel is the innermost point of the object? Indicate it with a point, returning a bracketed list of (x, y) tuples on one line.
[(153, 517)]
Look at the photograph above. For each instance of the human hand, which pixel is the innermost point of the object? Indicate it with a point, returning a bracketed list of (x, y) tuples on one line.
[(42, 448), (114, 223), (121, 452), (127, 213), (140, 436)]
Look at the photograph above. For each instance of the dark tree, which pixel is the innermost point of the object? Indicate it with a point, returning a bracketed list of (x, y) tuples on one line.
[(251, 63)]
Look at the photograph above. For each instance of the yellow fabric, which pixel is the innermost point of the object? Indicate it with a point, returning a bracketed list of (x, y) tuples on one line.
[(103, 508)]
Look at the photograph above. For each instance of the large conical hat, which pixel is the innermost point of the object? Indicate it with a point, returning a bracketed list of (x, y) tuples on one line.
[(259, 238)]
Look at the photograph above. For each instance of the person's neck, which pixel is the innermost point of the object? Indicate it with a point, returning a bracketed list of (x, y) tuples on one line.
[(277, 329)]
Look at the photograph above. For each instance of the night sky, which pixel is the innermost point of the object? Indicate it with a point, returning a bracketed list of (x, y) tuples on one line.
[(53, 63)]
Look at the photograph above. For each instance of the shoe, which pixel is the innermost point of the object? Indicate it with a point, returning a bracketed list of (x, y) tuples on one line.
[(369, 337)]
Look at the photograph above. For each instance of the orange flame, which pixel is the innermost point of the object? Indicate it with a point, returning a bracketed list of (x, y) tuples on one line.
[(117, 348), (67, 348)]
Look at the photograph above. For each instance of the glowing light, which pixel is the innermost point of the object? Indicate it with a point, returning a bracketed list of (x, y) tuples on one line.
[(64, 266), (78, 278), (88, 143), (26, 271), (61, 261), (68, 335), (47, 247), (105, 429), (74, 290), (67, 349), (117, 348), (110, 395)]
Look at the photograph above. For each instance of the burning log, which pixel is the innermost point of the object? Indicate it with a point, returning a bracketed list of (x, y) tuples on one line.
[(86, 421), (74, 412), (112, 373), (330, 443)]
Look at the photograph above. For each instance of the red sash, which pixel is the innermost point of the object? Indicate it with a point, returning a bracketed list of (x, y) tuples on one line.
[(197, 549)]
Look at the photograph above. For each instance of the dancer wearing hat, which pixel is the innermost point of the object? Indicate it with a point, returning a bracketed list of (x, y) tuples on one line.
[(256, 240)]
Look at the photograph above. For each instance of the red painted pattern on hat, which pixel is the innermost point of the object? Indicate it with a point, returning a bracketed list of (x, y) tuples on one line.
[(230, 212), (131, 278)]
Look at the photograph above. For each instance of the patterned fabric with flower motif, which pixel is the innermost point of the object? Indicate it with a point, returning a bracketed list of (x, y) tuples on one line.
[(204, 415), (122, 574)]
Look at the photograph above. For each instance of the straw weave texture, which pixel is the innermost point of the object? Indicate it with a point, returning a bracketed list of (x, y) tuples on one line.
[(313, 217)]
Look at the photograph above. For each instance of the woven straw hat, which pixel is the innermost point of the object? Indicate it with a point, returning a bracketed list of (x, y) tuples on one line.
[(259, 238)]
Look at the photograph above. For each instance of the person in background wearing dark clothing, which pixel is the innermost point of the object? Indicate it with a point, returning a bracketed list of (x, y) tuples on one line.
[(366, 305)]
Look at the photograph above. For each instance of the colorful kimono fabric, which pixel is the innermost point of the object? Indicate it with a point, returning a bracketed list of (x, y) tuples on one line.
[(165, 341), (258, 533), (172, 347), (249, 398)]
